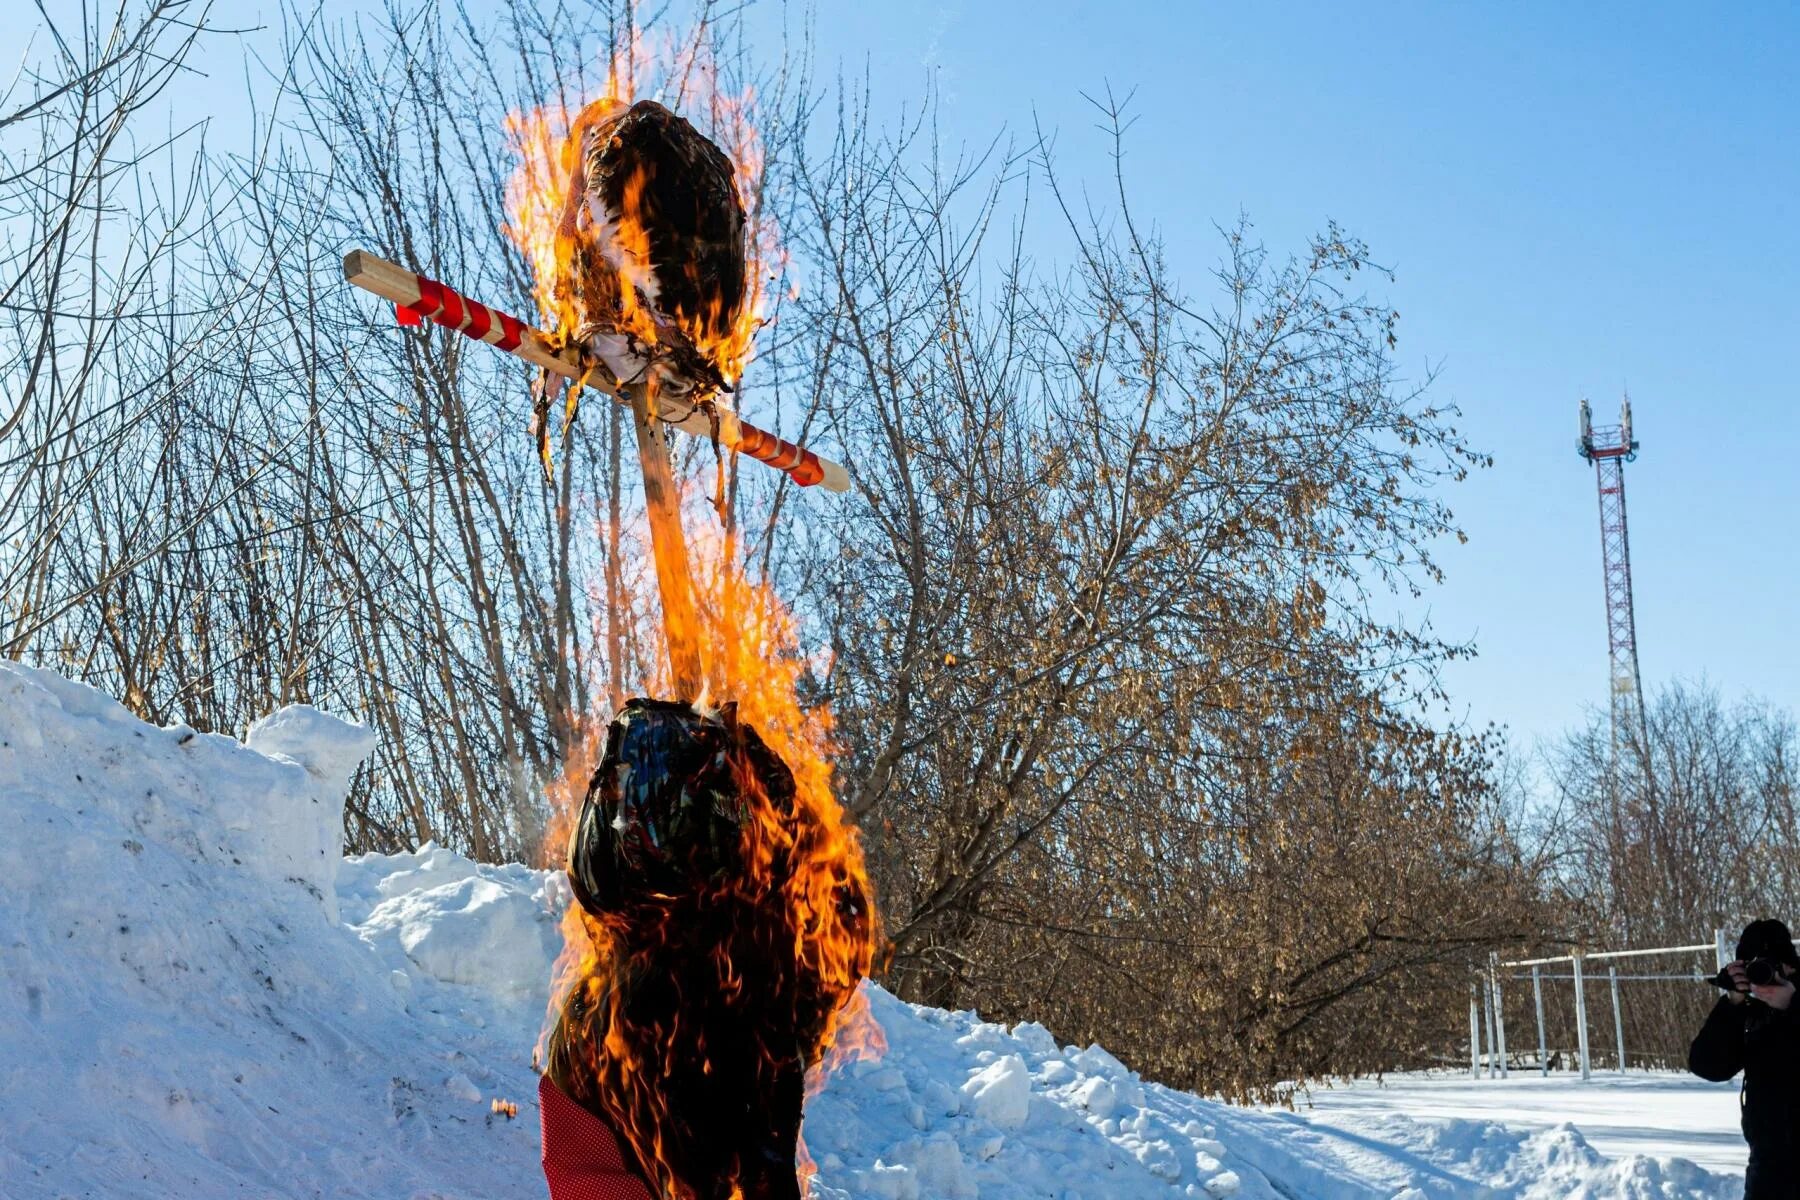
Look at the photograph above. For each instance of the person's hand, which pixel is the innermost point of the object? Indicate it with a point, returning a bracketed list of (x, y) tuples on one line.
[(1776, 995), (1741, 982)]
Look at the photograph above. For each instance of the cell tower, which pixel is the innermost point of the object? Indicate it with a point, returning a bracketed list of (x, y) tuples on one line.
[(1609, 448)]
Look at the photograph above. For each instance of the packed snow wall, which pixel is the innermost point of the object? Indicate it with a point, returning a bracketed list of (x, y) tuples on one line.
[(199, 997)]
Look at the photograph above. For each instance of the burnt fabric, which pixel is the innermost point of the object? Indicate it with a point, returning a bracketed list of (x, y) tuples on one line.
[(664, 813), (653, 205), (1761, 1042), (689, 208), (701, 983)]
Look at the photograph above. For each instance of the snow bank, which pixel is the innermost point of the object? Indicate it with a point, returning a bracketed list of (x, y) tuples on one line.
[(200, 997), (962, 1108), (182, 1012), (433, 912)]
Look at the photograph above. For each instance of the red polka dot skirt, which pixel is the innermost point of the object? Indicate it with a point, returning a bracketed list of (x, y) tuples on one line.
[(582, 1158)]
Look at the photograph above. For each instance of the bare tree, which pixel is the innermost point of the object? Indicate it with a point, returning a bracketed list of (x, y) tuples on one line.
[(1102, 612), (1660, 841), (113, 293), (1106, 663)]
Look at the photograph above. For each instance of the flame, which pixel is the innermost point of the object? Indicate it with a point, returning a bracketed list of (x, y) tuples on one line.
[(805, 861), (543, 216), (855, 1036), (804, 865)]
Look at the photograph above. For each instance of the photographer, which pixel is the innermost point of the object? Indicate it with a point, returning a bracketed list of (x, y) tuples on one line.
[(1753, 1029)]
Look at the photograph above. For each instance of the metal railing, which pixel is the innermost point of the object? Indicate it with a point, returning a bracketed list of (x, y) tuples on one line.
[(1487, 1012)]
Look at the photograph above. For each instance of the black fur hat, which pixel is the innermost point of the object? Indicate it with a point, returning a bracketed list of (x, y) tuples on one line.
[(1767, 938)]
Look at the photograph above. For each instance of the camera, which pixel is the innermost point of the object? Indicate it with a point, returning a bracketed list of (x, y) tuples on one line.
[(1759, 971)]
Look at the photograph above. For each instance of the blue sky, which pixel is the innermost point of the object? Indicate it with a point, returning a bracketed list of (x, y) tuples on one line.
[(1576, 199)]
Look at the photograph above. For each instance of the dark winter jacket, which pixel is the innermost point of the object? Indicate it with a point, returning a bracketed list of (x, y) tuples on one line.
[(1763, 1043), (586, 1159)]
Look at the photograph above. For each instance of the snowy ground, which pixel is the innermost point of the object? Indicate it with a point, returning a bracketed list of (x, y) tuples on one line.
[(1635, 1113), (200, 997)]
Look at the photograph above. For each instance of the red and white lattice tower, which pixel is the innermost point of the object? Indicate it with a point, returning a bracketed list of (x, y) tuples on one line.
[(1609, 448)]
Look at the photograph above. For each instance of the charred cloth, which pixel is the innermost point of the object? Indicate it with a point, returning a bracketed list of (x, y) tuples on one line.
[(659, 270), (695, 1030), (665, 811)]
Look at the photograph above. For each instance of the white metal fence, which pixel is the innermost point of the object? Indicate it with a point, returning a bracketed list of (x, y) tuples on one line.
[(1487, 1014)]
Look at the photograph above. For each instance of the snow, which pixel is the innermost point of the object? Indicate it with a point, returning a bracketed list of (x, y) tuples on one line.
[(200, 996), (434, 913), (1638, 1112), (183, 1010), (1001, 1093), (1419, 1158)]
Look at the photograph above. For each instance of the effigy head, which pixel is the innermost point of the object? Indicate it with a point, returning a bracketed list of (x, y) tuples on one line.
[(665, 811), (660, 266)]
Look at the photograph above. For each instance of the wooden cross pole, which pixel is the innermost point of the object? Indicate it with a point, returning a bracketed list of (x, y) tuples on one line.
[(427, 299), (668, 546)]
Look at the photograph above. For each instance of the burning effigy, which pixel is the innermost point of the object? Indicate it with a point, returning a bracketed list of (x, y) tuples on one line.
[(722, 918), (719, 926), (651, 248), (723, 912)]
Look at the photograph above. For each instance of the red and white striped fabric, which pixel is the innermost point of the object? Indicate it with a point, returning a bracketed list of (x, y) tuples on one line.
[(582, 1157)]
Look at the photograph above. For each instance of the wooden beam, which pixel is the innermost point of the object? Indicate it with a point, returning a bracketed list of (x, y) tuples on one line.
[(668, 546), (429, 299)]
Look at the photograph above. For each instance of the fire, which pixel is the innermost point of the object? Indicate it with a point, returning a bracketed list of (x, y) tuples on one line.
[(582, 265), (806, 864), (792, 924)]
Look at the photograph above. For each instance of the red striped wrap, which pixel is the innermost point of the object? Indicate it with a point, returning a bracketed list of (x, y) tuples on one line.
[(418, 298), (799, 462), (447, 307)]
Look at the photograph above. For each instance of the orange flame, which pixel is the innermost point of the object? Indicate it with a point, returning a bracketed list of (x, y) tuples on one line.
[(803, 863), (542, 213)]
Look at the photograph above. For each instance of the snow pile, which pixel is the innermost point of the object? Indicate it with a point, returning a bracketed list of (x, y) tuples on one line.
[(200, 997), (434, 912), (181, 1010), (1030, 1120), (962, 1108)]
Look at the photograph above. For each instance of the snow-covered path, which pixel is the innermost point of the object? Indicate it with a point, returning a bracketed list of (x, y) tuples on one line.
[(200, 997), (1418, 1140), (1634, 1113)]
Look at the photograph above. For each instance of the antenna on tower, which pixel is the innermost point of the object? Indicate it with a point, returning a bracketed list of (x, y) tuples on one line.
[(1609, 448)]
